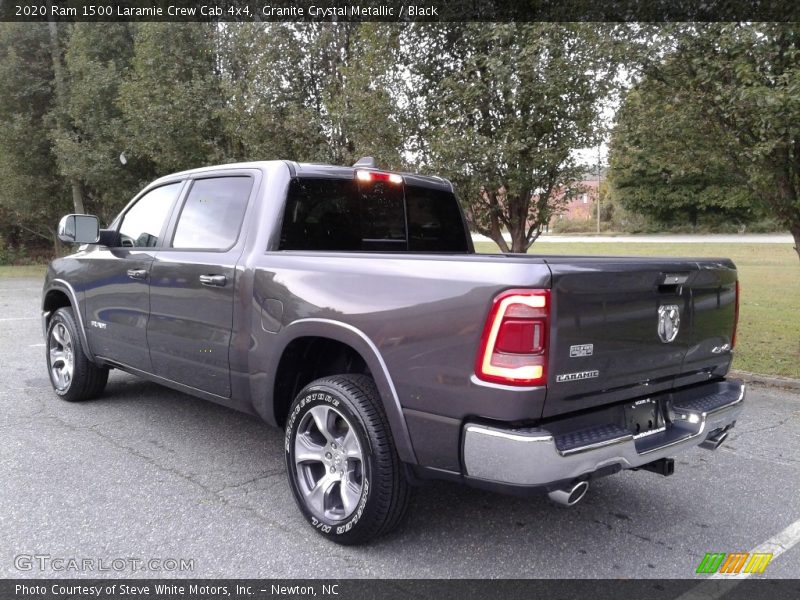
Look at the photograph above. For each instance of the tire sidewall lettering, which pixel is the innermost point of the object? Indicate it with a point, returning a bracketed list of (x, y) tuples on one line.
[(362, 503), (307, 399)]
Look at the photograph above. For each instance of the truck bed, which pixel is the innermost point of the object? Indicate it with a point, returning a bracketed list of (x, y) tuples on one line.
[(425, 314)]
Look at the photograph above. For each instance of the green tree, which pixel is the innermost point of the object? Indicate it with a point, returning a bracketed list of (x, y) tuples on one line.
[(360, 95), (312, 91), (203, 93), (744, 81), (502, 109), (97, 60), (60, 118), (32, 192), (672, 166), (267, 114), (172, 101)]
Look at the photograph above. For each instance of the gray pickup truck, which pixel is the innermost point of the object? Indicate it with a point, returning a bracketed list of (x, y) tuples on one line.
[(347, 306)]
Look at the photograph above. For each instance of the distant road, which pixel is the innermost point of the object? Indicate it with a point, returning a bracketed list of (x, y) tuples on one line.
[(678, 238)]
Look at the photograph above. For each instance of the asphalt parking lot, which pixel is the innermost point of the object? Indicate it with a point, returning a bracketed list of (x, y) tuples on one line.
[(150, 473)]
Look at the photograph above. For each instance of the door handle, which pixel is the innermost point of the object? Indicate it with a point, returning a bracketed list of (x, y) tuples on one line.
[(216, 280), (137, 273)]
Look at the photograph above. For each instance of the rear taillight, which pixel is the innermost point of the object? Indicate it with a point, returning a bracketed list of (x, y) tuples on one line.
[(513, 347), (735, 316)]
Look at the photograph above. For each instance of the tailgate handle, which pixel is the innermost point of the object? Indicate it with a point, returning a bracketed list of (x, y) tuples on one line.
[(673, 278), (670, 283)]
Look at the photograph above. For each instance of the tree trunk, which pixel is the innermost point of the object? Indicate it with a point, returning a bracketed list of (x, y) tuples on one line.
[(495, 231), (796, 235), (519, 239), (61, 103), (77, 196), (517, 209), (57, 246), (497, 237)]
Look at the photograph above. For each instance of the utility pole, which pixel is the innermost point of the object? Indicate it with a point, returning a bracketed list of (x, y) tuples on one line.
[(598, 188)]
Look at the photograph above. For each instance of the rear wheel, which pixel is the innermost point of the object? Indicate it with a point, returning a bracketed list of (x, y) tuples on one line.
[(343, 467), (73, 376)]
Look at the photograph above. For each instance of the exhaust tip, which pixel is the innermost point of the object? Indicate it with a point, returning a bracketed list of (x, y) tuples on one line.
[(715, 440), (570, 496)]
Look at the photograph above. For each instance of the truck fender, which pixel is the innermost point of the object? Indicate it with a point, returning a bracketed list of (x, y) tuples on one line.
[(64, 287), (361, 343)]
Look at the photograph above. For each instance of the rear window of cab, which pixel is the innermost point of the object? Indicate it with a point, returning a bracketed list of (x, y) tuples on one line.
[(356, 216)]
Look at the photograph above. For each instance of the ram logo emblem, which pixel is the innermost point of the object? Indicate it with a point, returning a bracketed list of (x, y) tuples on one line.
[(669, 321)]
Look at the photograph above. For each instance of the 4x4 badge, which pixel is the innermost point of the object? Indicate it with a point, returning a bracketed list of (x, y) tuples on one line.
[(669, 321)]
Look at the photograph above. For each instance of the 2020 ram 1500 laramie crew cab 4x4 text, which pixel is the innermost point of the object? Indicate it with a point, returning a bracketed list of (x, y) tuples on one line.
[(347, 306)]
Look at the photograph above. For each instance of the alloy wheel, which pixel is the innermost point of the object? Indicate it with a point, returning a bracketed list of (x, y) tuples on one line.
[(329, 463), (62, 361)]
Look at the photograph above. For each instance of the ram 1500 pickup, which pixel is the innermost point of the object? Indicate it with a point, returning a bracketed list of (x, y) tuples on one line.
[(347, 306)]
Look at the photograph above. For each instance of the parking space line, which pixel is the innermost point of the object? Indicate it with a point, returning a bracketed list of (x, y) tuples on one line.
[(776, 546), (719, 584), (19, 319)]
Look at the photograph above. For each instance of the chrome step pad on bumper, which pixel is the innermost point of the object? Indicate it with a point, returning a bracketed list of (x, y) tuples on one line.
[(577, 441), (536, 457)]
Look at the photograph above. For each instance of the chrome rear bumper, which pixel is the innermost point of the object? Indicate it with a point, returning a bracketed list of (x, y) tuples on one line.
[(532, 457)]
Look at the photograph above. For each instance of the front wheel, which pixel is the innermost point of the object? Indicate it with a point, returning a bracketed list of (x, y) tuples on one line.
[(342, 463), (74, 377)]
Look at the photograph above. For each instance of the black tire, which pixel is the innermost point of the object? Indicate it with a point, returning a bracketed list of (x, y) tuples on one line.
[(86, 380), (384, 492)]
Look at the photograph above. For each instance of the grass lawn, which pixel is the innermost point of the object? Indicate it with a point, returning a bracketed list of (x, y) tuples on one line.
[(769, 315), (33, 271)]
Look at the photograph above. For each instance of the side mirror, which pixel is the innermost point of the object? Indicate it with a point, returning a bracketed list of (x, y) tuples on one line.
[(79, 229)]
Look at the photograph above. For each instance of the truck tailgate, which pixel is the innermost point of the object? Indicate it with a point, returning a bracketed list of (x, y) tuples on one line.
[(626, 328)]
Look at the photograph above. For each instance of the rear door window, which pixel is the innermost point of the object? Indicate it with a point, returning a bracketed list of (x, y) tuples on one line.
[(212, 214)]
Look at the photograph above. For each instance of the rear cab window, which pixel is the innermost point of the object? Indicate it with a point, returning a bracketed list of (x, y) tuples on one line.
[(351, 216)]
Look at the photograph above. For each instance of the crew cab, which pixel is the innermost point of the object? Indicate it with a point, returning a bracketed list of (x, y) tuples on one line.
[(347, 306)]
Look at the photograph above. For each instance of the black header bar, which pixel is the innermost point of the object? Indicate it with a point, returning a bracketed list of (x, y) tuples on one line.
[(400, 10)]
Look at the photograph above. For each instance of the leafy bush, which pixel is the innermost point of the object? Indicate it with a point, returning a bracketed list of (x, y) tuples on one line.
[(574, 226), (22, 254)]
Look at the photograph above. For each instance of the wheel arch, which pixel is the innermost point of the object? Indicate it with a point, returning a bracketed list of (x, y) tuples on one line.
[(61, 294), (306, 359), (323, 342)]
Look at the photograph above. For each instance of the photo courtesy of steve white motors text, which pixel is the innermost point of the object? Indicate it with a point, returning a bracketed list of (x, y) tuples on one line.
[(194, 590)]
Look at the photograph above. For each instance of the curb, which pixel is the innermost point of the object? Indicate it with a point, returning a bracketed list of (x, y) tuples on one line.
[(767, 380)]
